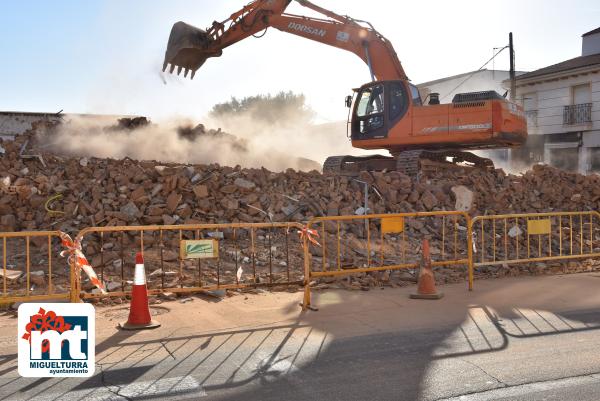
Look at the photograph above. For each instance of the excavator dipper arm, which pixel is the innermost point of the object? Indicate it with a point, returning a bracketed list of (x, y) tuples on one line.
[(189, 47)]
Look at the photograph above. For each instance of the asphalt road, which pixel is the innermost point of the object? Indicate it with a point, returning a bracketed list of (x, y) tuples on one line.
[(512, 339)]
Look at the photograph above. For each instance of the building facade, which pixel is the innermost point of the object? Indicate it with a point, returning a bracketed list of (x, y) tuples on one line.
[(14, 123), (474, 81), (562, 104)]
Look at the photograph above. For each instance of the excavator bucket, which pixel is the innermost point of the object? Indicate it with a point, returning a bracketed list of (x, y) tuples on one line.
[(188, 49)]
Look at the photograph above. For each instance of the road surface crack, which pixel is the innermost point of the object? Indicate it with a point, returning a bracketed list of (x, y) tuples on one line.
[(164, 345), (108, 386), (485, 372)]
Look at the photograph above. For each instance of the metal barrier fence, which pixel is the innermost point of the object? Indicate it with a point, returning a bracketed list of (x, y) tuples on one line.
[(256, 255), (245, 256), (534, 237), (386, 242), (32, 268)]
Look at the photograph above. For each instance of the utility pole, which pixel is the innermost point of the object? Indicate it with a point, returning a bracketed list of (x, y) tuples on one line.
[(513, 83)]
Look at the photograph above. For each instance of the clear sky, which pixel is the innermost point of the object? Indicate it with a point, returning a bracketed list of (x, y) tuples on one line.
[(105, 56)]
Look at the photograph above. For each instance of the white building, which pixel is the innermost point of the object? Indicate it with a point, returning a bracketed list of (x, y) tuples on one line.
[(562, 104), (474, 81), (17, 122)]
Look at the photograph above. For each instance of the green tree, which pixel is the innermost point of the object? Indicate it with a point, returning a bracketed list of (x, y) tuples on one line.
[(283, 108)]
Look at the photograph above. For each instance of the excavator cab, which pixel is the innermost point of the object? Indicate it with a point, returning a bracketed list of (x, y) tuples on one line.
[(377, 107)]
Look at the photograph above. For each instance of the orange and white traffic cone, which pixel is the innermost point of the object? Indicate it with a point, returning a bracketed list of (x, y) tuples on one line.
[(139, 311), (426, 284)]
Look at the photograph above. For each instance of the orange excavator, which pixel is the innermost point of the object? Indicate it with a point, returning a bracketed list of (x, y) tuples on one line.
[(386, 113)]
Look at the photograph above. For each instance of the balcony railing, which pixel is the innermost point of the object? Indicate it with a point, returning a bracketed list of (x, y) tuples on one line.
[(577, 114)]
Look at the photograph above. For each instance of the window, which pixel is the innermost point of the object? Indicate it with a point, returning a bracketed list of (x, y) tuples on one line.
[(530, 105), (530, 101), (416, 97), (371, 101), (397, 100), (580, 109), (370, 109), (582, 94), (562, 155), (594, 159)]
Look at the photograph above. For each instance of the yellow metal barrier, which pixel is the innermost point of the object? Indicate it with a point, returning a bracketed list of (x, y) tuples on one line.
[(383, 242), (275, 254), (534, 237), (24, 253), (247, 255)]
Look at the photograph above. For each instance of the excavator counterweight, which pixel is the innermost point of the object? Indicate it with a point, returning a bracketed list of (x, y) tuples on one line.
[(386, 113)]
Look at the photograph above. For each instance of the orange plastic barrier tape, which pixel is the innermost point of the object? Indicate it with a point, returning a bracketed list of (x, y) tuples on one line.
[(77, 256), (309, 234)]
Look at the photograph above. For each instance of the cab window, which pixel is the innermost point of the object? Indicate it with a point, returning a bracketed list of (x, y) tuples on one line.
[(371, 101), (397, 100), (416, 97), (370, 109)]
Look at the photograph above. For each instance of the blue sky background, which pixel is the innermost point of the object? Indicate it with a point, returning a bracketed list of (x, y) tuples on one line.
[(105, 56)]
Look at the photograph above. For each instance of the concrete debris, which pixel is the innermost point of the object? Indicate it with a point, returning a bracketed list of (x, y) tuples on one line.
[(129, 124), (130, 210), (5, 182), (429, 200), (216, 293), (113, 286), (464, 198), (201, 191), (245, 184), (199, 131), (168, 296), (11, 274)]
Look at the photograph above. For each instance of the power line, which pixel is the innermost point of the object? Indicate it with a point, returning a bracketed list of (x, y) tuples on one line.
[(473, 73)]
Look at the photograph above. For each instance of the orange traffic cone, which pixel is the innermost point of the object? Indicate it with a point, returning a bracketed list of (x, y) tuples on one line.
[(139, 311), (426, 285)]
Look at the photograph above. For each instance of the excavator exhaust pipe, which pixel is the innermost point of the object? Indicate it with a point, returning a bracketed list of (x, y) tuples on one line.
[(187, 49)]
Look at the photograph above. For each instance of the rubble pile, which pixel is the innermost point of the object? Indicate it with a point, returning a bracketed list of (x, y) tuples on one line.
[(126, 192), (69, 194), (130, 123), (192, 133)]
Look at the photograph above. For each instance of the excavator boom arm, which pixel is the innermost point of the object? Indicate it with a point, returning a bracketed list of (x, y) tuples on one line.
[(376, 51), (189, 47)]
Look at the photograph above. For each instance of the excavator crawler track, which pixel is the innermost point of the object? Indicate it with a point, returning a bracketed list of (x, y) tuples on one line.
[(410, 162), (333, 164), (352, 165)]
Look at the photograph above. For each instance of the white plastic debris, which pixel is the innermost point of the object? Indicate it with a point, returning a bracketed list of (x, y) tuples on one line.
[(361, 211), (514, 231)]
